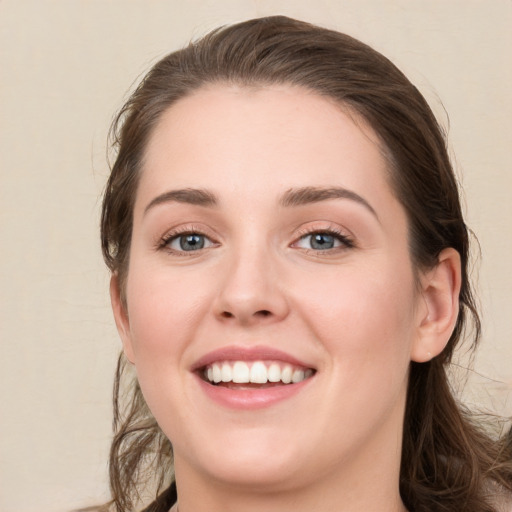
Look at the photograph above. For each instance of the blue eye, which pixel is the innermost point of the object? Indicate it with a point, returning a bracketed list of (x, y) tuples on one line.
[(323, 241), (188, 242), (191, 242)]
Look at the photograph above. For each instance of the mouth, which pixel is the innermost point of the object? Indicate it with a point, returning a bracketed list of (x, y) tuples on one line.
[(251, 378), (259, 374)]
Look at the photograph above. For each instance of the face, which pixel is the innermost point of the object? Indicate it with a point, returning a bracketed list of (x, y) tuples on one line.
[(271, 302)]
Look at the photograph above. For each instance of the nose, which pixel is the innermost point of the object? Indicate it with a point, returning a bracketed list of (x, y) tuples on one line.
[(251, 290)]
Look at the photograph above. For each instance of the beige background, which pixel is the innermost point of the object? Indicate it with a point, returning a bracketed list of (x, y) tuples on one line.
[(65, 67)]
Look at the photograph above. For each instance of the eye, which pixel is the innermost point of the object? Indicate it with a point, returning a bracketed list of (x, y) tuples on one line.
[(323, 241), (187, 242)]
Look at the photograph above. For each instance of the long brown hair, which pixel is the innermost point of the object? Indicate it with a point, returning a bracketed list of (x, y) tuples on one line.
[(448, 462)]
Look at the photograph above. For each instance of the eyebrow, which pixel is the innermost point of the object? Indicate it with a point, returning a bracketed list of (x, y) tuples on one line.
[(292, 197), (307, 195), (196, 196)]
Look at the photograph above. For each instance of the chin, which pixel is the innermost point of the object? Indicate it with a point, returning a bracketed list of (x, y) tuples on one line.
[(258, 473), (266, 462)]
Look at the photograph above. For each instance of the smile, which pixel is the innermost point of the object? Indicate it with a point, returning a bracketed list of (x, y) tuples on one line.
[(248, 378), (255, 372)]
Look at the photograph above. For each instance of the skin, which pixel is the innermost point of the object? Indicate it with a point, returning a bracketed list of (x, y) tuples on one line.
[(357, 313)]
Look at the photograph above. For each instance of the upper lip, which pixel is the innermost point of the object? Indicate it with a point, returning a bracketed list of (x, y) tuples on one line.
[(256, 353)]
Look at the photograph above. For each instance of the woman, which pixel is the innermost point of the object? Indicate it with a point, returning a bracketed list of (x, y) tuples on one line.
[(289, 280)]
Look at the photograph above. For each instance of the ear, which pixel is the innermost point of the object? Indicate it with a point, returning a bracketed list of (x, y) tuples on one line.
[(440, 289), (121, 317)]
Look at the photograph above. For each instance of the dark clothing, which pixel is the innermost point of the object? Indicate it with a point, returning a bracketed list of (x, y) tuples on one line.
[(164, 501)]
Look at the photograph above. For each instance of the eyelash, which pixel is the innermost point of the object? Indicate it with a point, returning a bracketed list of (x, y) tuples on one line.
[(346, 241), (165, 241)]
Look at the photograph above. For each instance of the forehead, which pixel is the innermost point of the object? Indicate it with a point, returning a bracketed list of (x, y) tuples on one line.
[(254, 140)]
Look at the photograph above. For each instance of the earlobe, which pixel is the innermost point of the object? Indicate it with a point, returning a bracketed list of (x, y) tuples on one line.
[(440, 289), (121, 317)]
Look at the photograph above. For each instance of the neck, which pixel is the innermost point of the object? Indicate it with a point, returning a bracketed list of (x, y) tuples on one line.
[(361, 486), (297, 500)]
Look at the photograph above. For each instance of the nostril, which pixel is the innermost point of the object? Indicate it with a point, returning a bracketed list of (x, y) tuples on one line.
[(261, 313)]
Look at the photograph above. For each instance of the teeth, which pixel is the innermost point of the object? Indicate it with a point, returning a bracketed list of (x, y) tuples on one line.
[(241, 373), (226, 374), (297, 376), (217, 376), (274, 373), (286, 374), (258, 372)]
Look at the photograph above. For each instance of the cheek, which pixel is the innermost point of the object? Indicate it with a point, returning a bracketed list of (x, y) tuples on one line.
[(164, 309), (363, 316)]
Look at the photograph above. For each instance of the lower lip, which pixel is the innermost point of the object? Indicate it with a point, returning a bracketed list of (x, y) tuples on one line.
[(251, 398)]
